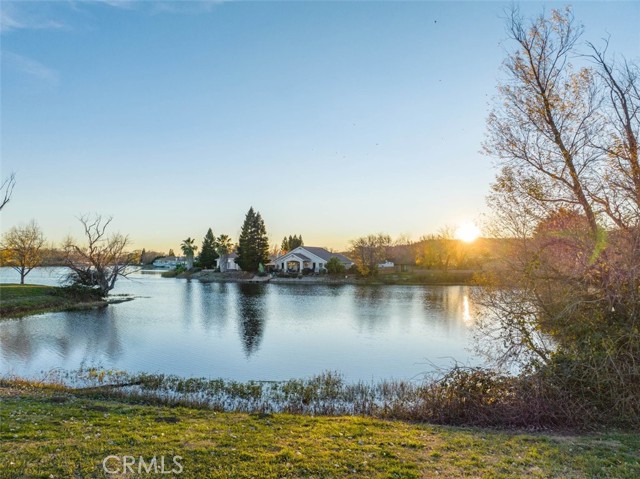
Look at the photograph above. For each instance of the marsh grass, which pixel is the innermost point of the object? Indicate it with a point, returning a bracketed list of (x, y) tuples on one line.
[(461, 397)]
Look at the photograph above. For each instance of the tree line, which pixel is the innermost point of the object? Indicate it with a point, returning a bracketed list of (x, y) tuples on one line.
[(104, 256), (440, 251)]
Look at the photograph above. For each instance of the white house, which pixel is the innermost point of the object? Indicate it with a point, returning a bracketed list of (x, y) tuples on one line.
[(311, 257), (230, 261), (386, 264), (169, 262)]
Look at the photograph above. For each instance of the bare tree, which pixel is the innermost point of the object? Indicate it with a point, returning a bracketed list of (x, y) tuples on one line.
[(566, 291), (618, 192), (23, 246), (543, 130), (441, 251), (369, 251), (6, 189), (99, 262)]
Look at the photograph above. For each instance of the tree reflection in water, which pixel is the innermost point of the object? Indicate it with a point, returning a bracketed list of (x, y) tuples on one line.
[(251, 308)]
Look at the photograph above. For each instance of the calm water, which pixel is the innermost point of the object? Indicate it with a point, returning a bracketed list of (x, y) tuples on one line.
[(247, 331)]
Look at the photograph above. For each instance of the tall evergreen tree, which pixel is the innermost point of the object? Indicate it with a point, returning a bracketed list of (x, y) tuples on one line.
[(253, 246), (208, 254), (291, 243)]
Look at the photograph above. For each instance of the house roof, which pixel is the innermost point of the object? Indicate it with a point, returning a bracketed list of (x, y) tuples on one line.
[(319, 252), (302, 257), (325, 254)]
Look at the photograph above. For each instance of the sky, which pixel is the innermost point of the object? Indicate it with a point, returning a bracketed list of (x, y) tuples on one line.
[(332, 119)]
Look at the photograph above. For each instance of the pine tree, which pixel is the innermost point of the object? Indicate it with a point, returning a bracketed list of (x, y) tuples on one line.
[(253, 246), (208, 254), (291, 243)]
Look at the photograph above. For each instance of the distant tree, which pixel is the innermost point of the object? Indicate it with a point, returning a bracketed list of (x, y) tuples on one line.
[(208, 254), (253, 246), (291, 243), (149, 256), (369, 251), (23, 246), (335, 267), (102, 260), (189, 247), (52, 255), (441, 251), (6, 189), (224, 247), (275, 250), (171, 253)]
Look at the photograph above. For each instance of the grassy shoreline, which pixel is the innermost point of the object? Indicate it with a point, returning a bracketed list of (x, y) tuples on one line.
[(18, 300), (52, 431)]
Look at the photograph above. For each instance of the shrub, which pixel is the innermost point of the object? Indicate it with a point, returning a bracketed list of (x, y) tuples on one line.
[(78, 292), (335, 267)]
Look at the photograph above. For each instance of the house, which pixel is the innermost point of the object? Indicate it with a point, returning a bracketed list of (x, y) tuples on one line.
[(169, 262), (311, 257), (228, 262), (386, 264)]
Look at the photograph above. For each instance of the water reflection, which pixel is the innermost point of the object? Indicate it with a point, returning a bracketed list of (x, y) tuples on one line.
[(91, 336), (188, 303), (251, 308), (220, 330)]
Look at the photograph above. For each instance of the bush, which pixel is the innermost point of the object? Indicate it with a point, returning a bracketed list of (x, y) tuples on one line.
[(335, 267), (78, 292)]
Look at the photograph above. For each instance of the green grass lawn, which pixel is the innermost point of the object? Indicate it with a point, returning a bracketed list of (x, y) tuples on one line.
[(11, 292), (22, 299), (18, 299), (56, 434)]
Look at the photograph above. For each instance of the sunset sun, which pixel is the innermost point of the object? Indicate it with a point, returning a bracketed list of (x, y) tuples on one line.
[(467, 232)]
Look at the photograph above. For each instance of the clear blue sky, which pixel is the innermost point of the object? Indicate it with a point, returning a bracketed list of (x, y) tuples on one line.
[(332, 119)]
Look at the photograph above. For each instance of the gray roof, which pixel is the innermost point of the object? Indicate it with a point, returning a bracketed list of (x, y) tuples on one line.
[(325, 255), (302, 257)]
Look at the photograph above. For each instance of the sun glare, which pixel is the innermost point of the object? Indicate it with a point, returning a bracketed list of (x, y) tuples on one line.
[(467, 232)]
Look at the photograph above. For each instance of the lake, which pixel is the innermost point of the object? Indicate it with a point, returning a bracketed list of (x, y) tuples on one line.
[(247, 331)]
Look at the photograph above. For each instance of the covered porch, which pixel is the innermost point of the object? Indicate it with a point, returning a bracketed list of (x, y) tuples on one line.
[(295, 263)]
